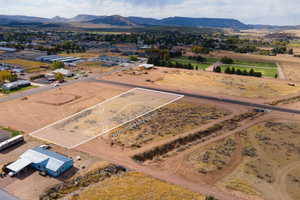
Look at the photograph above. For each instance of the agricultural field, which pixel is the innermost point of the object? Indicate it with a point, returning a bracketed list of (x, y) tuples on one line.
[(270, 164), (266, 71), (174, 119), (211, 83), (136, 186), (197, 65), (29, 66)]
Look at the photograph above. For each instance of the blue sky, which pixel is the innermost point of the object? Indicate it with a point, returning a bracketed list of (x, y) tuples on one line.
[(280, 12)]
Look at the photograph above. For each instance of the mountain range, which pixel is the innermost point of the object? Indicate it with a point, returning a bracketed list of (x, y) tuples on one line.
[(117, 20)]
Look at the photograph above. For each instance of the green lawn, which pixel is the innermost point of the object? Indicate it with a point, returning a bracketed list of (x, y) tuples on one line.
[(253, 63), (266, 72), (196, 64), (12, 131)]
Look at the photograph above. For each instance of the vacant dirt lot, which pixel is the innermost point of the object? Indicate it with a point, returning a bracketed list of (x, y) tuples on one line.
[(104, 117), (136, 186), (208, 83), (48, 107), (172, 120)]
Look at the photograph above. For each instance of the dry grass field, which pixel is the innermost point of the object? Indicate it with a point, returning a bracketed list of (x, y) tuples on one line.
[(81, 55), (30, 66), (291, 70), (295, 32), (270, 164), (136, 186), (208, 82), (95, 67), (172, 120)]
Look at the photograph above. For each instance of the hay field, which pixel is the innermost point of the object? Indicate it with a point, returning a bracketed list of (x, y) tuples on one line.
[(136, 186), (270, 165), (103, 117), (30, 66), (174, 119)]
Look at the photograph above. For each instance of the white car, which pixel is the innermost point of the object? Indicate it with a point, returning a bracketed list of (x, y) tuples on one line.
[(11, 174), (44, 146)]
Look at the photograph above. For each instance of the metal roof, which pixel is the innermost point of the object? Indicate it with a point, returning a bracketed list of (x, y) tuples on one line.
[(18, 165), (5, 196), (38, 155)]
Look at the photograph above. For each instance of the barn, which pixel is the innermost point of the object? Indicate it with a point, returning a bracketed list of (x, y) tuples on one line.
[(41, 159)]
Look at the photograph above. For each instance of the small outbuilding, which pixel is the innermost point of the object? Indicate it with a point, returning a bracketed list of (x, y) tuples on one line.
[(41, 159), (64, 72)]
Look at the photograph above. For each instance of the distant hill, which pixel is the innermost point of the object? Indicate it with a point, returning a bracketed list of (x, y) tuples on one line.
[(117, 20), (114, 20)]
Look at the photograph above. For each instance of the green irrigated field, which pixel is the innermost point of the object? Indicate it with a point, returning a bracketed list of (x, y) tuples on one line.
[(197, 65), (266, 71), (256, 64)]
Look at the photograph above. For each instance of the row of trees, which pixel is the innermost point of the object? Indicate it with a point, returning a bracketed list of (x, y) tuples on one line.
[(7, 76), (232, 70)]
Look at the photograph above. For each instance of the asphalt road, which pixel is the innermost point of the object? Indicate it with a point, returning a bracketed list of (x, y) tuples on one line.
[(212, 98), (26, 93), (5, 196)]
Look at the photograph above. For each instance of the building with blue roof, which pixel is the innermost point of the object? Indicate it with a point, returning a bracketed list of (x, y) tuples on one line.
[(43, 160)]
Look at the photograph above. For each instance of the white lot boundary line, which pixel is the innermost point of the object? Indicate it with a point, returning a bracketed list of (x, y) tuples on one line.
[(110, 99), (107, 131)]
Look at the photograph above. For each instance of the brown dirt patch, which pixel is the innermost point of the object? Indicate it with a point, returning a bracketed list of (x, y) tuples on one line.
[(59, 99), (29, 115)]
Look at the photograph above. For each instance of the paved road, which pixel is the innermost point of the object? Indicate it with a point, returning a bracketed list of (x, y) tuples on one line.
[(5, 196), (49, 87), (212, 98)]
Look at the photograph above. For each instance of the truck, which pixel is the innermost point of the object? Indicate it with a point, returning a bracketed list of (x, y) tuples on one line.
[(12, 141)]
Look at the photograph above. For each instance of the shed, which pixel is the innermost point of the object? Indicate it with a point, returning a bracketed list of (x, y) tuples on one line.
[(64, 72), (44, 160)]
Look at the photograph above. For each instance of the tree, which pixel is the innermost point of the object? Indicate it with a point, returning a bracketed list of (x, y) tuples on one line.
[(57, 65), (238, 72), (60, 77), (7, 76), (227, 70), (226, 60), (217, 69), (291, 51), (133, 58), (210, 198), (251, 72)]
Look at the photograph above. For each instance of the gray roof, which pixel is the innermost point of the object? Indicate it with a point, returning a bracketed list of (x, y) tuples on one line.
[(5, 196)]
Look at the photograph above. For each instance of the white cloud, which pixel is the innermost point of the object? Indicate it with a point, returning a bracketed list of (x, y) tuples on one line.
[(252, 12)]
